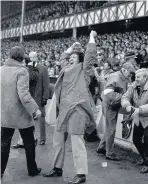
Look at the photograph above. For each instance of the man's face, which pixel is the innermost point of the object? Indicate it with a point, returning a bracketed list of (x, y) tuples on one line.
[(34, 58), (106, 66), (74, 59), (99, 57), (127, 73), (140, 79)]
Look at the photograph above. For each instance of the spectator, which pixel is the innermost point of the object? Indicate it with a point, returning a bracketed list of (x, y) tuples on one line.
[(115, 87), (137, 97), (18, 110)]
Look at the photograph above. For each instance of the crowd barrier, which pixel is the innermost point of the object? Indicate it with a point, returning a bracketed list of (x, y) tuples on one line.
[(125, 143)]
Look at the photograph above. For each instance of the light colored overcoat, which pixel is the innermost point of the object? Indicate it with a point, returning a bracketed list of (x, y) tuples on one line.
[(131, 97), (17, 105), (73, 99)]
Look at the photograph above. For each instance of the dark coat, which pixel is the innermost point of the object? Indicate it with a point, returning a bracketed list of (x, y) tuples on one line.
[(17, 105), (42, 86), (33, 79)]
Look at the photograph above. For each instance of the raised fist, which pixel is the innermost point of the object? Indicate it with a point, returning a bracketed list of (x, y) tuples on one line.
[(93, 34)]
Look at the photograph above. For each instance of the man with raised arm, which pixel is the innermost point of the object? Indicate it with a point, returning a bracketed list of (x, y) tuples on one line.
[(74, 107)]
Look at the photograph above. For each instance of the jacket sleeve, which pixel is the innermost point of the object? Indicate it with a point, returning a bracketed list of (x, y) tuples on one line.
[(45, 83), (23, 92), (64, 60), (89, 60), (127, 97), (115, 95), (143, 109)]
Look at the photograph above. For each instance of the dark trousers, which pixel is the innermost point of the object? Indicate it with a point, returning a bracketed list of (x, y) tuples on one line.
[(29, 144), (140, 140)]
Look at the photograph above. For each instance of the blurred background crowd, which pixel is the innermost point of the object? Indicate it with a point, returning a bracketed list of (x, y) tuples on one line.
[(114, 48), (49, 9)]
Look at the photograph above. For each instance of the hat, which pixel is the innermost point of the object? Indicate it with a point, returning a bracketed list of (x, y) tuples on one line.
[(129, 67)]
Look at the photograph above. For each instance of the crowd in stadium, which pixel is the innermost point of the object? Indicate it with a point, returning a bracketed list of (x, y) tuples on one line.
[(113, 66), (53, 9), (73, 100), (116, 46)]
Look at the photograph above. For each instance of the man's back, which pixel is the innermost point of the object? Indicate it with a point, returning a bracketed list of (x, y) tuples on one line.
[(17, 104)]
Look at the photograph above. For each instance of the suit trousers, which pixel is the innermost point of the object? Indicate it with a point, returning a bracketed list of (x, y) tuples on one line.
[(140, 140), (28, 139), (78, 150), (107, 141)]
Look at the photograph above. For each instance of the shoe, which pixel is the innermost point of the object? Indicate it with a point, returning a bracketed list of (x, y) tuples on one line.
[(79, 178), (141, 163), (112, 157), (54, 173), (36, 173), (42, 142), (17, 146), (144, 169), (101, 151)]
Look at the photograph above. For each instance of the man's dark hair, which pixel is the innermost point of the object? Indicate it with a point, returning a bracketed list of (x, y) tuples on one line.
[(17, 53)]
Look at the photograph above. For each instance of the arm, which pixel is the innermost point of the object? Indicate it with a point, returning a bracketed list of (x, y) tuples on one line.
[(126, 98), (23, 92), (143, 109), (111, 90), (90, 56), (64, 59)]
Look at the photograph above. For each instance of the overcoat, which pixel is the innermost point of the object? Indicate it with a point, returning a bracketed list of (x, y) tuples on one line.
[(131, 97), (73, 99), (17, 105), (42, 87)]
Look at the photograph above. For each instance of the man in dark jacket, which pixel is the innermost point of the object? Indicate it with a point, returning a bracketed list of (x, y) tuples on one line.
[(18, 109), (115, 87), (41, 94)]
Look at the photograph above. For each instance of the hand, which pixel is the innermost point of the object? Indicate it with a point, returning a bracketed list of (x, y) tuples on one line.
[(74, 44), (37, 114), (128, 108), (93, 34), (136, 112), (44, 102)]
